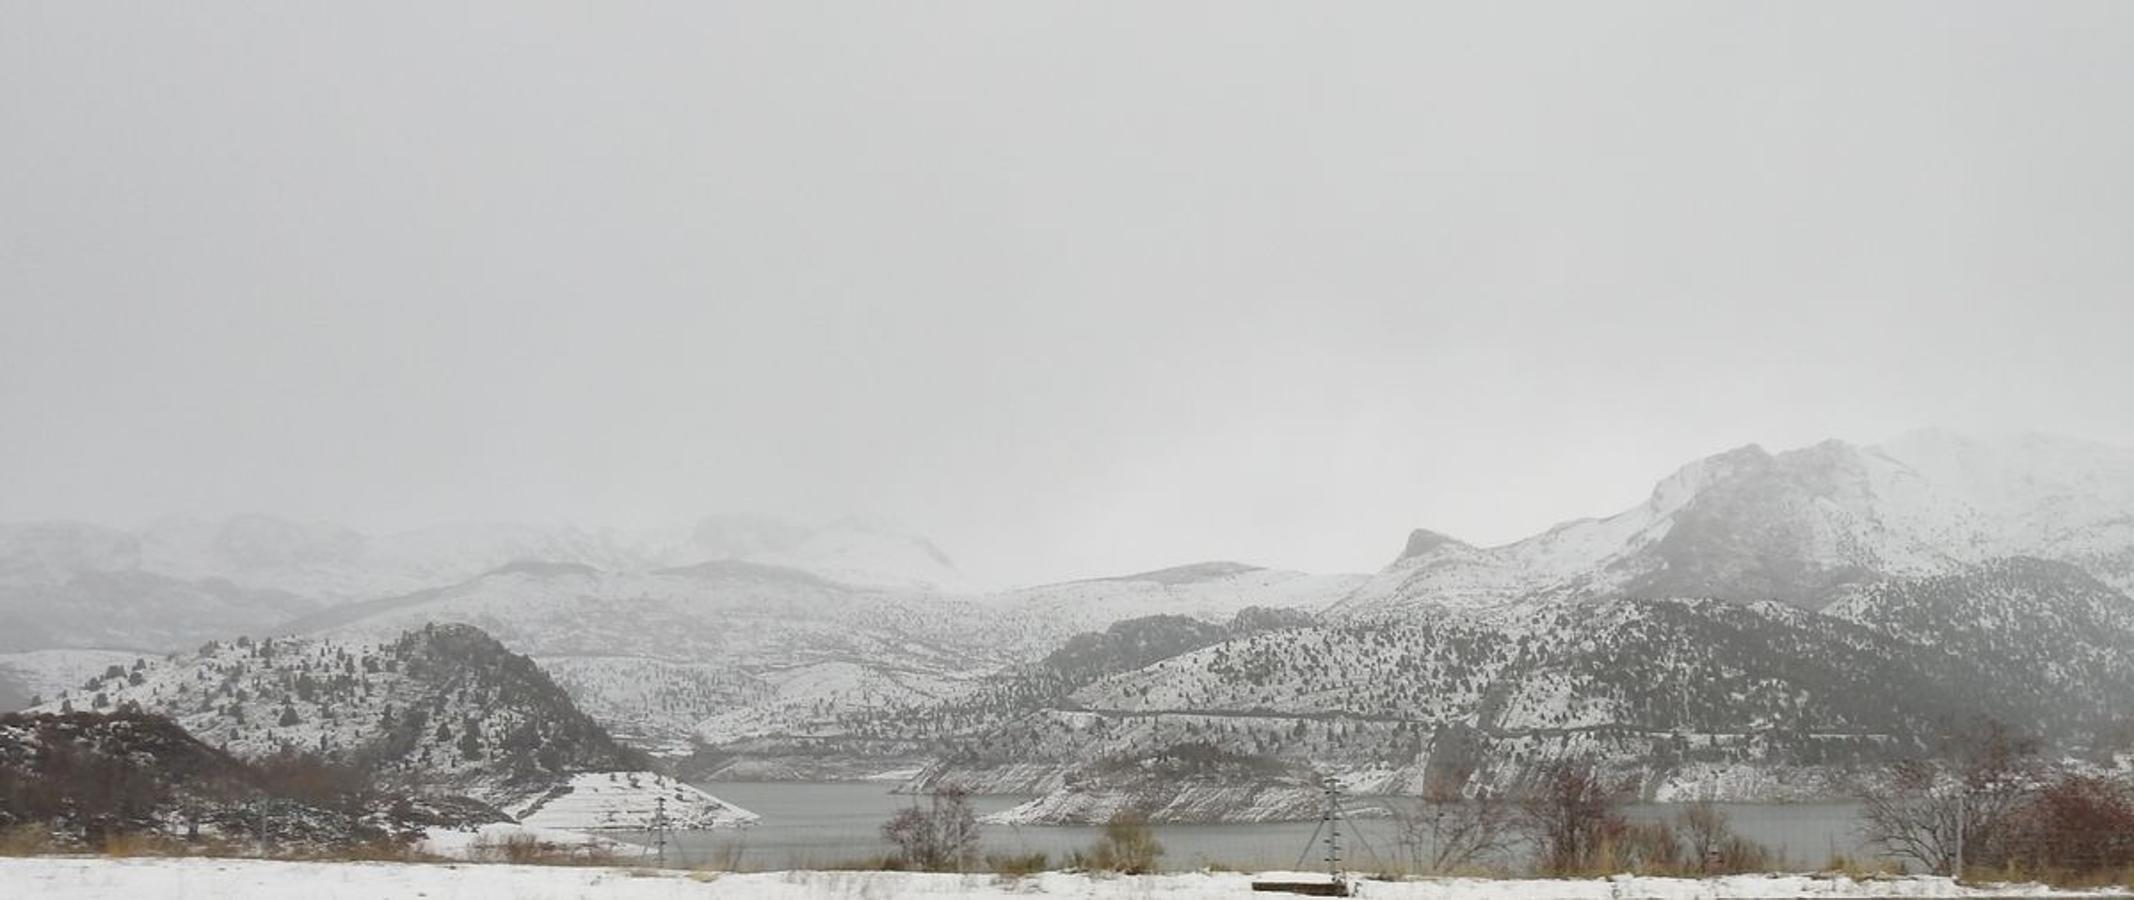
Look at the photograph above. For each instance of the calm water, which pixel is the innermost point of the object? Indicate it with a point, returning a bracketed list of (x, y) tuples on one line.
[(807, 825)]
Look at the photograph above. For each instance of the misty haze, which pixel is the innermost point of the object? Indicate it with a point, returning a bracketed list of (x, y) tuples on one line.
[(1176, 450)]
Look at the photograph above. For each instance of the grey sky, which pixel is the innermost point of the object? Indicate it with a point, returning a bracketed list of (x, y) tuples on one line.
[(1073, 288)]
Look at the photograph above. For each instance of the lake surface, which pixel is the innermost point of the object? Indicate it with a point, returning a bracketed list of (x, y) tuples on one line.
[(813, 825)]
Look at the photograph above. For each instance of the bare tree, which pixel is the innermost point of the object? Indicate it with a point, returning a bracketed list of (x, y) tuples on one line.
[(1128, 845), (2079, 824), (1568, 813), (1712, 845), (1704, 830), (1447, 832), (943, 837), (1913, 815), (1930, 811)]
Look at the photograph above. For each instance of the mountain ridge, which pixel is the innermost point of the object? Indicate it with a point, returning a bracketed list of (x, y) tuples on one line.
[(1798, 526)]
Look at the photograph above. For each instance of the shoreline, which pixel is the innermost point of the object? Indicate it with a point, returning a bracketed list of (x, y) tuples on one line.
[(71, 877)]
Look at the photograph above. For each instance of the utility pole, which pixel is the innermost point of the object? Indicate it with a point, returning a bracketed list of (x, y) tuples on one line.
[(1962, 819), (1333, 831), (659, 830)]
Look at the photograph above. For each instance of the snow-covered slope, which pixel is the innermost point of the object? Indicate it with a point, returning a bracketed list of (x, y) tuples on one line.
[(1669, 691), (37, 674), (83, 776), (628, 801), (1800, 526), (440, 706), (727, 649)]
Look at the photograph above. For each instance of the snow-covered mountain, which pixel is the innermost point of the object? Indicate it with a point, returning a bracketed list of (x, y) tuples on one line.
[(726, 651), (1686, 695), (81, 775), (1758, 611), (1800, 526), (181, 581), (722, 649), (443, 706)]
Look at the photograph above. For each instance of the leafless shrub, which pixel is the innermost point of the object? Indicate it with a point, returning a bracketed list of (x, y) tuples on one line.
[(1127, 846), (1927, 809), (2076, 829), (1567, 814), (1448, 833), (943, 837), (1648, 848), (1712, 847)]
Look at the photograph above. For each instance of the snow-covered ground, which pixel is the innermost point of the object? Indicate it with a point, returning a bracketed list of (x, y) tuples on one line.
[(69, 878), (45, 673), (606, 801), (493, 838)]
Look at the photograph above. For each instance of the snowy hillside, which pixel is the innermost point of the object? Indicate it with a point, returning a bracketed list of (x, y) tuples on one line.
[(726, 649), (1800, 526), (80, 775), (1670, 691), (443, 706), (37, 674)]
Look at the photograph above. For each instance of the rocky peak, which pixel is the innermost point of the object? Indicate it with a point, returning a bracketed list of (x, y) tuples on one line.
[(1422, 541)]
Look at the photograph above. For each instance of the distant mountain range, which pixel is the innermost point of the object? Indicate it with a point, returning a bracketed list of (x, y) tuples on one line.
[(1760, 623), (180, 581)]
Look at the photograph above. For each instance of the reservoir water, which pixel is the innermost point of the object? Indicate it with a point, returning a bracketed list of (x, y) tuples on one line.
[(819, 824)]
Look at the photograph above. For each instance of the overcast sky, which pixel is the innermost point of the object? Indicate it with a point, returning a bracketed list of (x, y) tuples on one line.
[(1072, 288)]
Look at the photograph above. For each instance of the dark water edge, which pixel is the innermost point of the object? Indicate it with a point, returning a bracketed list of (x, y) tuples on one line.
[(813, 825)]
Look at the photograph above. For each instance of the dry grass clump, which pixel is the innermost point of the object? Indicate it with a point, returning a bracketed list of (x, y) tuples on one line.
[(26, 840), (725, 857), (527, 850), (1862, 869), (1017, 865), (378, 850), (141, 843)]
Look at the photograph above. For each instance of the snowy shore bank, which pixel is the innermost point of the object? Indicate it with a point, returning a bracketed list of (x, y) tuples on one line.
[(80, 878)]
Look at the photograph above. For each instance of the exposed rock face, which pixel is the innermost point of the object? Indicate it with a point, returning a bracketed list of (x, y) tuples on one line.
[(1422, 541)]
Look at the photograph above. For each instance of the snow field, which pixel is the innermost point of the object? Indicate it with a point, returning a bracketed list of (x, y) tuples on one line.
[(79, 878)]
